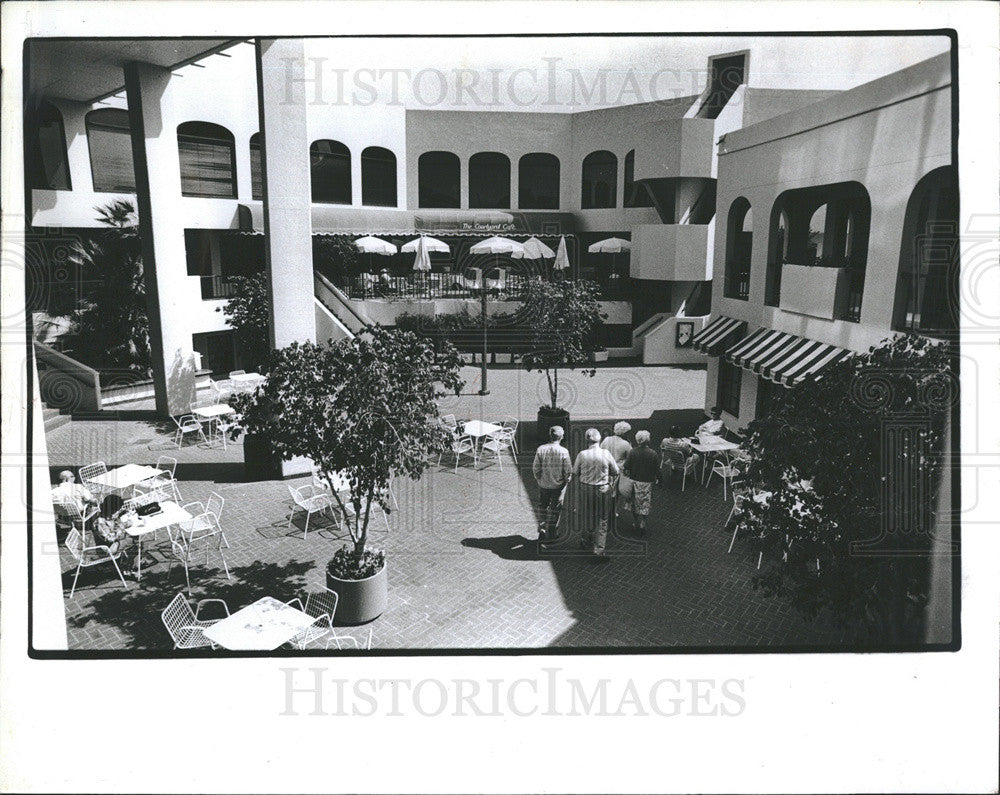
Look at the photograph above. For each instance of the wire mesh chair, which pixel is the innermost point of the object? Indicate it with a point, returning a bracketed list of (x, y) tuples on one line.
[(186, 424), (79, 550), (91, 471), (163, 483), (338, 639), (461, 445), (322, 607), (311, 500), (497, 443), (186, 629)]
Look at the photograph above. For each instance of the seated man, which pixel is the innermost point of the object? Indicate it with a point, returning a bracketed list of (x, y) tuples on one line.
[(676, 442), (68, 491), (714, 426)]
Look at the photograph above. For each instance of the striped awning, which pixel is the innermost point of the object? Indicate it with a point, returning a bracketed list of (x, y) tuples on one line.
[(718, 335), (782, 357)]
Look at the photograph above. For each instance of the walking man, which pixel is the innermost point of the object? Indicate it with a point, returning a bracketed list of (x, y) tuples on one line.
[(552, 469), (596, 470), (642, 465)]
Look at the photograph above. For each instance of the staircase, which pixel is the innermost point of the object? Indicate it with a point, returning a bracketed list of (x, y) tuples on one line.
[(53, 418)]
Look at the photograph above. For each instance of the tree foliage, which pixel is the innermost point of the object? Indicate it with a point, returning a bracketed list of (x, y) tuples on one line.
[(562, 316), (111, 321), (844, 471), (248, 313), (337, 258), (360, 407)]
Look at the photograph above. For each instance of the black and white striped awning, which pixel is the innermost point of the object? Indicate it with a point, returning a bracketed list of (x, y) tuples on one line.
[(782, 357), (718, 335)]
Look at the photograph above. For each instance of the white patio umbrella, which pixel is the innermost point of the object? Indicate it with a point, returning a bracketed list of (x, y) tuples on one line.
[(375, 245), (423, 258), (562, 256), (613, 245), (536, 249), (432, 243)]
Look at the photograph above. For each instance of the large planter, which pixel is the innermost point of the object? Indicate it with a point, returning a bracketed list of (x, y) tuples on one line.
[(360, 601), (599, 356), (259, 458), (547, 417)]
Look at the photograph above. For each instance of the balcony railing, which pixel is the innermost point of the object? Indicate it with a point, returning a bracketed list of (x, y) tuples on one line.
[(215, 287), (842, 293), (431, 286), (738, 283)]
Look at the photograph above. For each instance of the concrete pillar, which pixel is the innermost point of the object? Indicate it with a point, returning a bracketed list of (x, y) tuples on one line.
[(161, 229), (281, 103)]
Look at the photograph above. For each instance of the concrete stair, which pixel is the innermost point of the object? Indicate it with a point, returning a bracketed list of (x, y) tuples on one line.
[(52, 418)]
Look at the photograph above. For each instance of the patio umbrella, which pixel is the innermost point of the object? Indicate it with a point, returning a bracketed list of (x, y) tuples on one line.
[(374, 245), (422, 262), (562, 256), (536, 249), (613, 245), (432, 243)]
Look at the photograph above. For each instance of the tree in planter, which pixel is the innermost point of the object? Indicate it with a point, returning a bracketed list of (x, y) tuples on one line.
[(562, 316), (360, 407), (248, 313), (823, 457), (111, 322)]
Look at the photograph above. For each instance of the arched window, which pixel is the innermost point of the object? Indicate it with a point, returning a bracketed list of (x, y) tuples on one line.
[(207, 155), (378, 177), (330, 171), (739, 243), (927, 289), (47, 166), (538, 182), (635, 194), (489, 181), (822, 226), (438, 180), (256, 172), (599, 181), (110, 143)]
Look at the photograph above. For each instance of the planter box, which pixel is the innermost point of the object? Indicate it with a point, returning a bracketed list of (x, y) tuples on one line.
[(360, 601), (599, 356), (814, 291)]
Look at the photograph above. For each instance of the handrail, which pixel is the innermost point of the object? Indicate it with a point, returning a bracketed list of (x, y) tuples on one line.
[(341, 299)]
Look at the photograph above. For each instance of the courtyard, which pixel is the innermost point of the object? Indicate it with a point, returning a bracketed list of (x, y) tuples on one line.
[(464, 566)]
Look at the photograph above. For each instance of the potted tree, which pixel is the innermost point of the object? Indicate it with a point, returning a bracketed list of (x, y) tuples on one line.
[(562, 316), (360, 409)]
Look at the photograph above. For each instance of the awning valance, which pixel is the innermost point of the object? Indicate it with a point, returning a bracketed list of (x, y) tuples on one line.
[(718, 335), (782, 357)]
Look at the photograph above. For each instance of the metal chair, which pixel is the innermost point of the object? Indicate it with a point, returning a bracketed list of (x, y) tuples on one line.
[(725, 470), (497, 443), (339, 638), (69, 514), (311, 500), (186, 424), (186, 629), (322, 607), (225, 423), (90, 471), (677, 461), (740, 493), (460, 446), (78, 549), (162, 483), (509, 424), (449, 422), (203, 531)]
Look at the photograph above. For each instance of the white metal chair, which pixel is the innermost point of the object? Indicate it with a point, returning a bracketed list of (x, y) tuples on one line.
[(90, 471), (78, 549), (461, 445), (739, 495), (225, 423), (186, 629), (186, 424), (449, 422), (68, 513), (310, 499), (509, 424), (345, 638), (165, 483), (677, 461), (497, 443), (725, 470), (322, 607), (201, 532), (345, 498), (221, 391)]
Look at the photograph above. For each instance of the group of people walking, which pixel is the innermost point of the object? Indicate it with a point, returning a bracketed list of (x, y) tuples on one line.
[(612, 477)]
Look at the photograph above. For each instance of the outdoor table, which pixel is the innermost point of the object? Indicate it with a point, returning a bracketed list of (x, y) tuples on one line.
[(125, 477), (246, 381), (170, 514), (478, 429), (212, 413), (707, 445), (262, 626)]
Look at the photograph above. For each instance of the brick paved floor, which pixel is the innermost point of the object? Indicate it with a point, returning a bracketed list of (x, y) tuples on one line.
[(464, 570)]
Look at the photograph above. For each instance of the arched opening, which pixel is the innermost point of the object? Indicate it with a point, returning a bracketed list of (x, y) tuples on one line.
[(378, 177), (636, 194), (256, 172), (739, 246), (47, 166), (330, 172), (110, 142), (489, 181), (927, 284), (438, 180), (599, 181), (207, 154), (538, 182), (825, 226)]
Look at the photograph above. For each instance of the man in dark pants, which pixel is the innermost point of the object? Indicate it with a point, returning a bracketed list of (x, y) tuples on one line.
[(552, 468)]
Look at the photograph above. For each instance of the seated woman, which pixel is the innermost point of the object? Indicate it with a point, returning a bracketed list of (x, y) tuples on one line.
[(108, 530)]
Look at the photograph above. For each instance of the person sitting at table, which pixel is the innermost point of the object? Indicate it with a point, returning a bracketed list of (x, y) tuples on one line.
[(76, 494), (714, 426), (109, 531), (676, 442), (384, 282)]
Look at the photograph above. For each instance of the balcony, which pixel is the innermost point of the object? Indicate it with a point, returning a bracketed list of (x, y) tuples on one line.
[(672, 252), (831, 293), (675, 148), (216, 287)]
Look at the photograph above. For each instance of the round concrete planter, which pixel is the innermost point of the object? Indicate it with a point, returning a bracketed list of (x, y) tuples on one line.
[(360, 601)]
